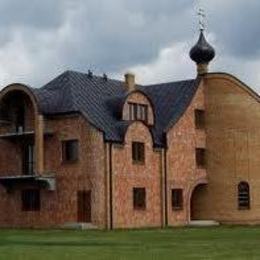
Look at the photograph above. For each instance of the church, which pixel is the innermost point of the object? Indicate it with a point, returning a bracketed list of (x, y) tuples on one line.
[(95, 152)]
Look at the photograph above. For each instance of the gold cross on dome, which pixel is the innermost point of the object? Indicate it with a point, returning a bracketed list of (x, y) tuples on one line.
[(202, 19)]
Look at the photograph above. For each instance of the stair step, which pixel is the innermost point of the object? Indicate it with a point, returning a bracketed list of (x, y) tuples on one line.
[(80, 226), (203, 223)]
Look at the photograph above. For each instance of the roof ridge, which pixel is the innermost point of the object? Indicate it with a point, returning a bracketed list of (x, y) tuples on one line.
[(94, 76), (170, 82)]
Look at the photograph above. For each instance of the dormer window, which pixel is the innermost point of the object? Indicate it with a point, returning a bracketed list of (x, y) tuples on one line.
[(138, 107), (138, 112)]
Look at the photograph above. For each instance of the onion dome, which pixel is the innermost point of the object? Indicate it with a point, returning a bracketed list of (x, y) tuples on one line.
[(202, 52)]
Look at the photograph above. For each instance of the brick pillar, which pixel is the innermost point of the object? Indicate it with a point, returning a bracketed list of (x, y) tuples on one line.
[(39, 142), (162, 170), (109, 186)]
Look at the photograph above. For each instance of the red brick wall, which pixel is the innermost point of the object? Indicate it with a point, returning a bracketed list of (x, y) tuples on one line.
[(60, 206), (127, 175), (182, 172)]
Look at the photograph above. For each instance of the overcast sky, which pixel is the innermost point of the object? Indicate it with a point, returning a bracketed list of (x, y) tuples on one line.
[(41, 39)]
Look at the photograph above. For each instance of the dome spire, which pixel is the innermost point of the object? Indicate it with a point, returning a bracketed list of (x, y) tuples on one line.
[(202, 52)]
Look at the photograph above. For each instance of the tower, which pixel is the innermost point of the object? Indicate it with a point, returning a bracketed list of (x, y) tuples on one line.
[(202, 52)]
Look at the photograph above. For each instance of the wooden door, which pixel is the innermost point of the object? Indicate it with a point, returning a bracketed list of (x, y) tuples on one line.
[(84, 206)]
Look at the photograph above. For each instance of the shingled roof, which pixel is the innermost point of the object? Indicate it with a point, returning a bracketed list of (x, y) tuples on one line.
[(99, 101)]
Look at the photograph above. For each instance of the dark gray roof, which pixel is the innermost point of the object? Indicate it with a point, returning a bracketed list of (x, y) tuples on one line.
[(100, 101)]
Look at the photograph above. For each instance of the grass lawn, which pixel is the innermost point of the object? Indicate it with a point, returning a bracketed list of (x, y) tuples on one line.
[(180, 243)]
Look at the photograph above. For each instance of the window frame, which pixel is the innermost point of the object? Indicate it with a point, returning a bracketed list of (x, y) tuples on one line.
[(143, 113), (138, 152), (199, 115), (138, 112), (139, 198), (243, 195), (34, 197), (177, 199), (65, 145), (200, 157)]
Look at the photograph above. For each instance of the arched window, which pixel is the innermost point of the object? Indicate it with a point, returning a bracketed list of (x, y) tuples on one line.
[(243, 195)]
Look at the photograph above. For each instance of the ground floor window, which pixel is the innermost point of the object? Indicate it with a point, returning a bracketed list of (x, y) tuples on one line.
[(243, 196), (139, 198), (177, 199), (31, 200)]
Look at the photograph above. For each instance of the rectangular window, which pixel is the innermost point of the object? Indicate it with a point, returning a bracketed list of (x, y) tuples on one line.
[(143, 113), (31, 200), (139, 198), (177, 199), (199, 119), (70, 150), (131, 111), (138, 112), (135, 111), (138, 152), (200, 157), (243, 196)]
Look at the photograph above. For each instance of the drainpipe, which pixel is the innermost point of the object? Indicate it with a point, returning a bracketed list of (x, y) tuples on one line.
[(165, 186), (110, 188)]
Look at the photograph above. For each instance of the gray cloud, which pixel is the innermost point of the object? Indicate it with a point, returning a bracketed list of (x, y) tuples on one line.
[(124, 34), (39, 39), (236, 24), (33, 13)]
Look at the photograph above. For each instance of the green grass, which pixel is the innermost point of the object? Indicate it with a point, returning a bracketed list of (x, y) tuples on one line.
[(181, 243)]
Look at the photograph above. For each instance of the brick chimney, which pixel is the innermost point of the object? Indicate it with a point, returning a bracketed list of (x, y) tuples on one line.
[(130, 81)]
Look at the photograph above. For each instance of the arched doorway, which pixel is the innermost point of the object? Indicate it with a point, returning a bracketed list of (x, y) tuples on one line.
[(196, 201)]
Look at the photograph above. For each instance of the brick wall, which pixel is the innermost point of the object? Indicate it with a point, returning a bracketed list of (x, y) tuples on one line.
[(233, 144), (60, 206), (127, 175), (182, 172)]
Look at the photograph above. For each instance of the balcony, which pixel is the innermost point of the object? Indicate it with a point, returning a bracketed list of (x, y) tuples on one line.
[(21, 135), (45, 182)]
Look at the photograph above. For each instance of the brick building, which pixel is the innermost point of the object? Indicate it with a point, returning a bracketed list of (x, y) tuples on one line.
[(88, 149)]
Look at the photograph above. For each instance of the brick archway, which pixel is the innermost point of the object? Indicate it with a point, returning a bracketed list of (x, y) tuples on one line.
[(191, 207), (194, 207), (37, 119)]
